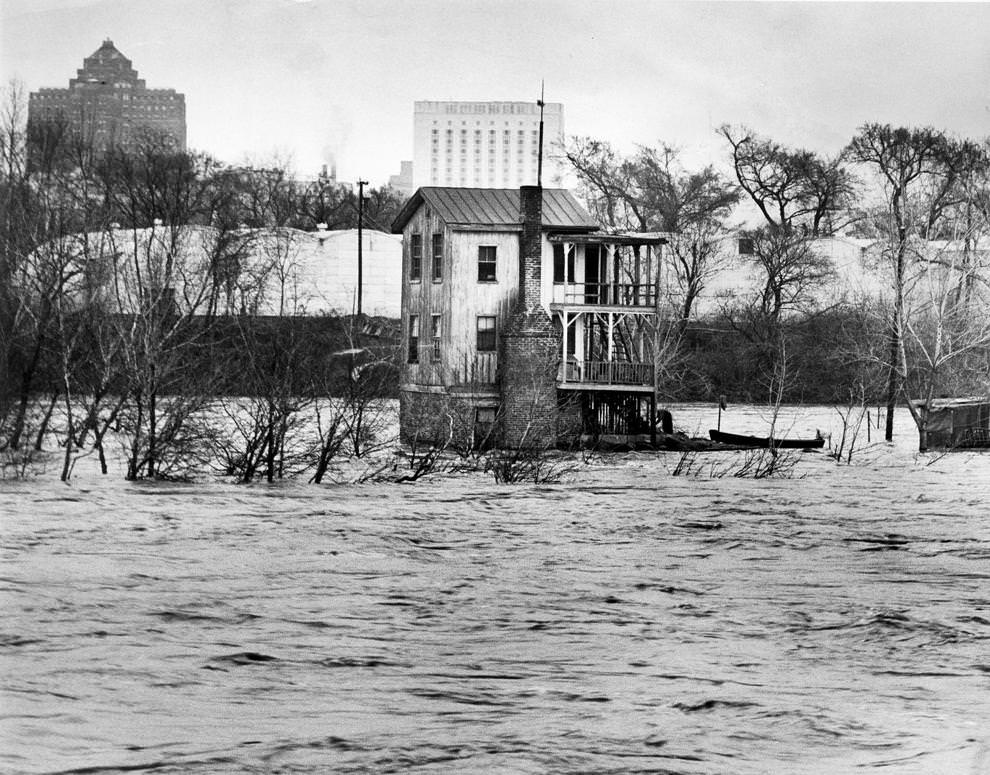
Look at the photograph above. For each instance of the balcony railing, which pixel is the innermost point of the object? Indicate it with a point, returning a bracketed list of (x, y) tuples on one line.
[(617, 294), (480, 370), (609, 372)]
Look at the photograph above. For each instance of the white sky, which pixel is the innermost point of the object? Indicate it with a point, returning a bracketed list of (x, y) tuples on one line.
[(306, 78)]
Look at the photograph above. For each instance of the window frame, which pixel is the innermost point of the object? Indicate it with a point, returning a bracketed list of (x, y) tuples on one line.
[(436, 329), (415, 258), (483, 260), (436, 245), (484, 345), (412, 354)]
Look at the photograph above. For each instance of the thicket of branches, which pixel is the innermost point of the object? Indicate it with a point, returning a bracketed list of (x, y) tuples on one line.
[(119, 273)]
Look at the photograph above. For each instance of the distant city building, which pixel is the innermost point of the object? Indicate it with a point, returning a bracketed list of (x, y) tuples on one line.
[(484, 144), (403, 182), (107, 104)]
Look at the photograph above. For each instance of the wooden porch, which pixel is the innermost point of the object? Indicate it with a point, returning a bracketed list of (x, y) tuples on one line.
[(571, 295), (599, 375)]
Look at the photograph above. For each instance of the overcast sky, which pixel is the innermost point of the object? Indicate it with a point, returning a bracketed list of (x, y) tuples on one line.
[(310, 78)]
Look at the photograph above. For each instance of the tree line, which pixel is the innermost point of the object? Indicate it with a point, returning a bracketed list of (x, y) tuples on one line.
[(124, 279)]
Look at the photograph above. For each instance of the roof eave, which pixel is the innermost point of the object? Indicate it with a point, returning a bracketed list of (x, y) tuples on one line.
[(406, 213)]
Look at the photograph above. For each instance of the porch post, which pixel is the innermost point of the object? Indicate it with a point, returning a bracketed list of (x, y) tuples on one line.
[(563, 342)]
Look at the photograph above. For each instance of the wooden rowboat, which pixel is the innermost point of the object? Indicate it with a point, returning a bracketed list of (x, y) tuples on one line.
[(741, 440)]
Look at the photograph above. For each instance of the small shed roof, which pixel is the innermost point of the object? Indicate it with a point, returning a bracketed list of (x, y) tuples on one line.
[(495, 208), (953, 403)]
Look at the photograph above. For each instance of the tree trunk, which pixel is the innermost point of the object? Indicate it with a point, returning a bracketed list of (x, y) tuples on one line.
[(39, 441), (893, 383), (893, 378)]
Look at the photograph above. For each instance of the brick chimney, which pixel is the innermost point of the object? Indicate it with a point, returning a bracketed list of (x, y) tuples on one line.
[(530, 345), (530, 249)]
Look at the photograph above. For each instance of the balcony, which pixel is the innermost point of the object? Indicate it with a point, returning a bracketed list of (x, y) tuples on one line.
[(479, 371), (608, 374), (642, 295)]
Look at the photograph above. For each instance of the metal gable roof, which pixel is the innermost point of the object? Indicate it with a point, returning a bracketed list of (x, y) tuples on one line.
[(495, 207)]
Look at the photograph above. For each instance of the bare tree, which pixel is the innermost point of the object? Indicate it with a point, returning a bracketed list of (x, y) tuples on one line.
[(923, 175), (946, 344), (801, 196), (164, 291), (794, 190), (652, 191)]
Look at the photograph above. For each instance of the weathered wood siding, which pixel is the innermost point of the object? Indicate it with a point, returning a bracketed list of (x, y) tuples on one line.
[(422, 297), (460, 299), (470, 298)]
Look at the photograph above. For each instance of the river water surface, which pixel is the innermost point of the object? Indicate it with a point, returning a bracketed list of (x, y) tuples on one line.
[(624, 620)]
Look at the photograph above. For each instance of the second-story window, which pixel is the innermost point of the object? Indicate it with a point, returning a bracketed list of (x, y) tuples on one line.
[(413, 339), (435, 323), (415, 257), (486, 264), (437, 258), (487, 342)]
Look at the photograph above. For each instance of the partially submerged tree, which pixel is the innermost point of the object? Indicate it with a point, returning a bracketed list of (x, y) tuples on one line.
[(165, 291), (946, 346), (930, 185)]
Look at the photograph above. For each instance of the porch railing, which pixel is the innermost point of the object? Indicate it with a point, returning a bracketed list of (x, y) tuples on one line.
[(609, 372), (619, 294), (480, 369)]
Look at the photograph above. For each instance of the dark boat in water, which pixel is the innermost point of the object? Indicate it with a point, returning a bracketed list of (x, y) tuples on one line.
[(740, 440)]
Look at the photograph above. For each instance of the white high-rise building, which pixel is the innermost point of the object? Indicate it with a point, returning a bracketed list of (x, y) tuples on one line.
[(485, 144)]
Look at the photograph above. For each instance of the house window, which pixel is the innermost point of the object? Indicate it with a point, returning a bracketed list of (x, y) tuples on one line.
[(486, 334), (413, 339), (437, 258), (435, 324), (563, 264), (486, 264), (415, 257), (745, 246)]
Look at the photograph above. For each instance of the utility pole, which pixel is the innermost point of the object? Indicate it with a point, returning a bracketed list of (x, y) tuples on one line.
[(360, 279), (539, 158)]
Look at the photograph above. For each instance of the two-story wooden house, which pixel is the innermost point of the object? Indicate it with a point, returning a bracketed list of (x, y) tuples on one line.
[(523, 323)]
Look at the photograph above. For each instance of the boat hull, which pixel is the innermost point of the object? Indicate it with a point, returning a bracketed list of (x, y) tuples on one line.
[(739, 439)]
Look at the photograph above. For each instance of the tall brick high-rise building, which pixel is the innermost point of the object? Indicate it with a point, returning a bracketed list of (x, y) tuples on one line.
[(107, 104)]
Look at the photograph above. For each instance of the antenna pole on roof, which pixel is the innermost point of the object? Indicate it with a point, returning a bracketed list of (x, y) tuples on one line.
[(539, 157), (360, 262)]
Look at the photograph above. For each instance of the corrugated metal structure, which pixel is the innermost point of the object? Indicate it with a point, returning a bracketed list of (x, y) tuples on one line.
[(494, 209)]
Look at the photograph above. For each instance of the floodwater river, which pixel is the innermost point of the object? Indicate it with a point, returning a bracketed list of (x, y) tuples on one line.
[(624, 620)]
